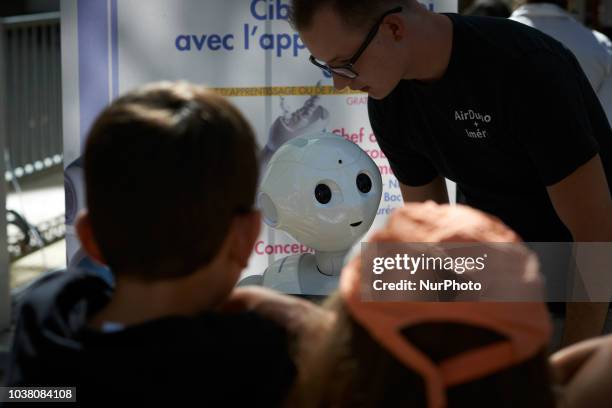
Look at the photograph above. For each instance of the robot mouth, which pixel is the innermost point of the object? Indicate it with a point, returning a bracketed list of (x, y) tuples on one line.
[(356, 224)]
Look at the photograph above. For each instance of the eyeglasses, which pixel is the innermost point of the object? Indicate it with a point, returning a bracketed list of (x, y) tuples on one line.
[(346, 70)]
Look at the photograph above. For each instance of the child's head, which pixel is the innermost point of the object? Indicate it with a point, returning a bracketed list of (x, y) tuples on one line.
[(170, 174), (433, 354)]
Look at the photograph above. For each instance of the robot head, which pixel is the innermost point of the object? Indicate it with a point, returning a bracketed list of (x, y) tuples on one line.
[(321, 189)]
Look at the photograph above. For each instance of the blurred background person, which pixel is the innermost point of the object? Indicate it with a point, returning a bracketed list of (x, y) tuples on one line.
[(592, 48), (488, 8)]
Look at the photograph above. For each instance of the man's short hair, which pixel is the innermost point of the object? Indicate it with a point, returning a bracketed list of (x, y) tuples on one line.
[(167, 167), (356, 13)]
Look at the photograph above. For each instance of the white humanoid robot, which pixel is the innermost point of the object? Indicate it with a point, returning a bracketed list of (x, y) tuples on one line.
[(324, 191)]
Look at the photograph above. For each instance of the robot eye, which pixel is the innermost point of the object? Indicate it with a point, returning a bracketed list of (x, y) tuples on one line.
[(323, 193), (364, 183)]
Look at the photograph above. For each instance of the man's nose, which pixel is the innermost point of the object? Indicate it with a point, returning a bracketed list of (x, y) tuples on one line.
[(340, 82)]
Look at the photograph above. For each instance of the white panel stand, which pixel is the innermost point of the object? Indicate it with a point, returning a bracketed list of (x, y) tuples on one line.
[(5, 294)]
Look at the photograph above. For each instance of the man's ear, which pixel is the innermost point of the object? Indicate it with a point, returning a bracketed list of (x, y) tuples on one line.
[(395, 25), (245, 230), (85, 234)]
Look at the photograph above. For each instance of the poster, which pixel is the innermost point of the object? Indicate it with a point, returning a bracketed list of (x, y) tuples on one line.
[(245, 49)]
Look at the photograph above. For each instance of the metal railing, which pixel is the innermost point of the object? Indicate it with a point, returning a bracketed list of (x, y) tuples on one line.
[(33, 93)]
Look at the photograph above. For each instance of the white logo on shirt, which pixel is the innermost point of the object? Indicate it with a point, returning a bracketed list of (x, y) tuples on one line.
[(477, 119)]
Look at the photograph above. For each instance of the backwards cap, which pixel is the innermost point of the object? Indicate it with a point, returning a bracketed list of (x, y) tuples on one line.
[(526, 325)]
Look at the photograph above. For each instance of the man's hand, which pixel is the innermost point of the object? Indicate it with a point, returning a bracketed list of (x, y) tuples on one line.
[(585, 373)]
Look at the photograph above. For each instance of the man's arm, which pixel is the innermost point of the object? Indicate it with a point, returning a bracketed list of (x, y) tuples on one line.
[(582, 201), (435, 190)]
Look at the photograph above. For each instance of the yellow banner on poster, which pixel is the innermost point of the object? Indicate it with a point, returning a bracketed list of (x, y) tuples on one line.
[(284, 91)]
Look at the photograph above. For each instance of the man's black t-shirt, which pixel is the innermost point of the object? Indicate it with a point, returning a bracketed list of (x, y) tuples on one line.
[(513, 114), (209, 360)]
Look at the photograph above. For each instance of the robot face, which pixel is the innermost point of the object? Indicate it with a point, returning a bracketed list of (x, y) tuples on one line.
[(321, 189)]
